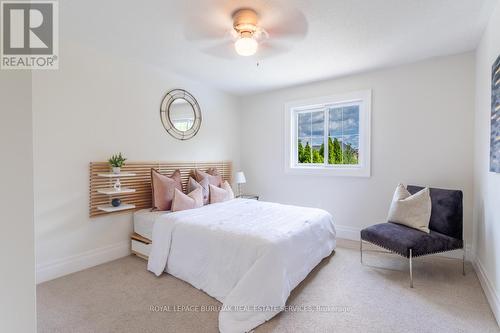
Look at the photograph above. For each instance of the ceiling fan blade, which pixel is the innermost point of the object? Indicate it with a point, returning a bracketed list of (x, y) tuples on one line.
[(266, 50), (269, 49), (286, 23), (222, 50), (206, 28), (206, 20)]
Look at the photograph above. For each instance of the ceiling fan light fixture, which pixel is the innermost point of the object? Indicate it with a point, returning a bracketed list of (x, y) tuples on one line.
[(246, 46)]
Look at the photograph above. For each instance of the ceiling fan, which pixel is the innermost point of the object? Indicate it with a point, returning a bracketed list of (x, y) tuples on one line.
[(267, 29), (248, 33)]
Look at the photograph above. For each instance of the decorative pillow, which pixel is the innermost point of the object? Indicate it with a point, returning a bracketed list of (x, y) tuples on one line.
[(213, 171), (227, 187), (414, 211), (203, 185), (163, 188), (182, 201), (218, 194), (215, 180)]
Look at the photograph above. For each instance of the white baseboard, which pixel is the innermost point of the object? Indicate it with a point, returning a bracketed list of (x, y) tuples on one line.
[(353, 233), (346, 232), (71, 264), (489, 290)]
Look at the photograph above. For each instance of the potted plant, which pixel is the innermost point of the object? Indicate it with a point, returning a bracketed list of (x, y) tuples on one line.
[(116, 162)]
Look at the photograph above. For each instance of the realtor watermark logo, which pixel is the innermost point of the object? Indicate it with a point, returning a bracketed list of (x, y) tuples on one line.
[(29, 31)]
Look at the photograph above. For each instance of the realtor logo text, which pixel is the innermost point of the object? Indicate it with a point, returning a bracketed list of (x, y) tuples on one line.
[(29, 31)]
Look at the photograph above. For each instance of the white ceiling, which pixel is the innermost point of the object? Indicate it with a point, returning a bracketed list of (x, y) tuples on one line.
[(342, 36)]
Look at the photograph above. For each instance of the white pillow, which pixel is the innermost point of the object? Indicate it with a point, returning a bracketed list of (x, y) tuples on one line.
[(413, 211)]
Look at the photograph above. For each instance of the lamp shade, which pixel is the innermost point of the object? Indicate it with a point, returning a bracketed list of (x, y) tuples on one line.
[(246, 46), (240, 178)]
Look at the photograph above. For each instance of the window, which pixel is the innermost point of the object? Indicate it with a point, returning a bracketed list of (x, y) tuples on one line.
[(330, 135), (183, 125)]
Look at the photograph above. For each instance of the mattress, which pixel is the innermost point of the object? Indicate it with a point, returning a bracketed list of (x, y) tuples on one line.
[(144, 221)]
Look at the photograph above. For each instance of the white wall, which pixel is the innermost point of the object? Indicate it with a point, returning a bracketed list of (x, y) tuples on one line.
[(422, 133), (95, 105), (487, 184), (17, 255)]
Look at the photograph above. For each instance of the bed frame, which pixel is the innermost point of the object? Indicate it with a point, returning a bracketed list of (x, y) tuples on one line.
[(140, 181), (140, 246)]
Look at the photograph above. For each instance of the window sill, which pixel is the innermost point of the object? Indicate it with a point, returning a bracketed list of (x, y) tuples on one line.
[(329, 171)]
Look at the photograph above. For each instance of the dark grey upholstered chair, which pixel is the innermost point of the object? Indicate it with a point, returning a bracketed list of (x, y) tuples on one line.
[(445, 226)]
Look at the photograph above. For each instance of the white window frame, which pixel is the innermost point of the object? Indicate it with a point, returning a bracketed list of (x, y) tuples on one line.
[(187, 121), (292, 109)]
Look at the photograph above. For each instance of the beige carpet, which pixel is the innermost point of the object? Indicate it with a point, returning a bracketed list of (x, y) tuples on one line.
[(375, 297)]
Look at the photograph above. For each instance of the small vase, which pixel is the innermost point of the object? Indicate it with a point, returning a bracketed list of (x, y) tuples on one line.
[(116, 202), (117, 185), (116, 170)]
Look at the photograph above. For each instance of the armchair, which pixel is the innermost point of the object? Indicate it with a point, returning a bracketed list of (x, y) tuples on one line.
[(446, 224)]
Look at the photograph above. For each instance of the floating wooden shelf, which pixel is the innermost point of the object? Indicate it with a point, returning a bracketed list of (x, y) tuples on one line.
[(110, 209), (116, 175), (112, 191)]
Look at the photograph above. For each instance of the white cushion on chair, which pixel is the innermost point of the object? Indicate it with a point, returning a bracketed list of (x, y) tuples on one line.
[(413, 211)]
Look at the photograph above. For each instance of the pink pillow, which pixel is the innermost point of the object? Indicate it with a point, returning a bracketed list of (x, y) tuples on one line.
[(218, 194), (229, 190), (163, 188), (203, 185), (215, 180), (182, 201), (213, 171)]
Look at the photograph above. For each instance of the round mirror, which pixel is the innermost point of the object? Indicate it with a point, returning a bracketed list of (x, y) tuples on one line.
[(180, 114)]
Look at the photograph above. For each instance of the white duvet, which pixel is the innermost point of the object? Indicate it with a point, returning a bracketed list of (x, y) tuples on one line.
[(247, 254)]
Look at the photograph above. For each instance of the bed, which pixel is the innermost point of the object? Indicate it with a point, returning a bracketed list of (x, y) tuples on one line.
[(247, 254), (144, 220)]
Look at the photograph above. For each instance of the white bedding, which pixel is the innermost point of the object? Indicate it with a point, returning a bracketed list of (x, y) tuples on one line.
[(248, 254), (144, 221)]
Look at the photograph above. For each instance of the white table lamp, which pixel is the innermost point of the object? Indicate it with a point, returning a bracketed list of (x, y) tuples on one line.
[(240, 179)]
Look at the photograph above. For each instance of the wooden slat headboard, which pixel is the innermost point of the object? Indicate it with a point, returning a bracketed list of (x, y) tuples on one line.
[(141, 182)]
